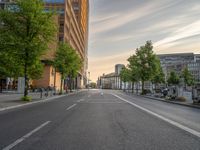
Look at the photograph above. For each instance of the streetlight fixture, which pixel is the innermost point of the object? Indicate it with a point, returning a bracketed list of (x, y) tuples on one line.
[(88, 79)]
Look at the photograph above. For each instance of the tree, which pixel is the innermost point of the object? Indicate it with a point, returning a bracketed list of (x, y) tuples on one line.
[(133, 66), (125, 74), (173, 78), (93, 85), (146, 63), (67, 62), (187, 76), (159, 76), (26, 31)]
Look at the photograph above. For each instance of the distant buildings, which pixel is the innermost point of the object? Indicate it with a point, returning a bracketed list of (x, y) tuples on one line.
[(111, 80), (177, 62)]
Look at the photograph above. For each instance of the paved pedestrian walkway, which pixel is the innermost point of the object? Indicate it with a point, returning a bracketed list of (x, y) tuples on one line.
[(186, 103), (11, 99)]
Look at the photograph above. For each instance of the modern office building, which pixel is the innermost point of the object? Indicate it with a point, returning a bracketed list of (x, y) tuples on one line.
[(72, 30), (72, 20), (194, 68), (177, 62), (81, 10)]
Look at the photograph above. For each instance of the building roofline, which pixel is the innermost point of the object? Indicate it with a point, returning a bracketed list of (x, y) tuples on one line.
[(173, 54)]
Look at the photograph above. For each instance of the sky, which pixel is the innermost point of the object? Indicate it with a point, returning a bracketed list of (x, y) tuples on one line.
[(118, 27)]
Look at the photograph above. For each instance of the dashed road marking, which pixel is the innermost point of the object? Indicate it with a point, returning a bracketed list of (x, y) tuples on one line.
[(70, 107), (25, 136), (80, 100)]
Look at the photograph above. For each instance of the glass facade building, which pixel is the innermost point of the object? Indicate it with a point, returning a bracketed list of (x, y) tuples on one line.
[(177, 62)]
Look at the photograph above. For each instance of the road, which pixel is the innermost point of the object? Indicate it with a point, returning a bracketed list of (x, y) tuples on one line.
[(100, 120)]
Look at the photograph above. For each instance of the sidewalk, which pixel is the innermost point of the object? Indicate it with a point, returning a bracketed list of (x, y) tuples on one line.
[(9, 101), (187, 103)]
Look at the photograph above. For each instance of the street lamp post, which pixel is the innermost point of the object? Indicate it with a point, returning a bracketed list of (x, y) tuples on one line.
[(88, 79)]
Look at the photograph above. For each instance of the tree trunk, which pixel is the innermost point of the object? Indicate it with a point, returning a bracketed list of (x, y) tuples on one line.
[(124, 86), (54, 79), (26, 62), (61, 85), (142, 87), (1, 86), (70, 84), (132, 87), (26, 79)]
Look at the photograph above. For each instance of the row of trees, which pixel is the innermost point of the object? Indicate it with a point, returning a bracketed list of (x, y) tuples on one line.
[(144, 65), (175, 79), (26, 31)]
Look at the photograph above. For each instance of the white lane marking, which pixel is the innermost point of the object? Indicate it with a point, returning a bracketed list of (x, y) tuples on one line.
[(80, 100), (25, 136), (70, 107), (105, 102), (194, 132)]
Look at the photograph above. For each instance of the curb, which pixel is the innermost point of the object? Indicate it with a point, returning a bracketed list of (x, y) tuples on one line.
[(39, 101), (159, 99), (162, 100)]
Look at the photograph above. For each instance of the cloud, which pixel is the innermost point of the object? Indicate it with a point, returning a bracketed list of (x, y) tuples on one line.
[(103, 18), (184, 32), (98, 66), (118, 27), (116, 20), (119, 19)]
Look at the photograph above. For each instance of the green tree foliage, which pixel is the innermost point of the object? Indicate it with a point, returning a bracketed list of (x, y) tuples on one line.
[(9, 66), (25, 33), (145, 66), (93, 85), (133, 66), (173, 78), (146, 63), (159, 76), (125, 74), (187, 76), (36, 70), (67, 62)]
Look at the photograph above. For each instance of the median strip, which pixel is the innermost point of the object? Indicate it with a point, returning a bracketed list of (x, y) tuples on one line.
[(25, 136), (196, 133)]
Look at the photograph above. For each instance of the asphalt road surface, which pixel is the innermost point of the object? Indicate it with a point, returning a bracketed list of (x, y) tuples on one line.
[(100, 120)]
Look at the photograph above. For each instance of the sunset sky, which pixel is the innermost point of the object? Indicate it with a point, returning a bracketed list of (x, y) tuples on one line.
[(118, 27)]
